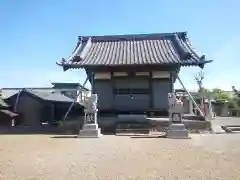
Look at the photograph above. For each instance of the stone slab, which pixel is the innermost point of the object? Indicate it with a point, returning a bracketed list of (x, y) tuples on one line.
[(177, 127), (90, 126), (90, 131), (177, 131), (181, 134), (90, 111)]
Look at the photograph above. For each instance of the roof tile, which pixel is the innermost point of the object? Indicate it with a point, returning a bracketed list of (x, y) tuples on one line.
[(168, 48)]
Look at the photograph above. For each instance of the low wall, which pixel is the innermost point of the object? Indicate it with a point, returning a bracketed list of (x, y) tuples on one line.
[(109, 122), (189, 124), (70, 126), (29, 130)]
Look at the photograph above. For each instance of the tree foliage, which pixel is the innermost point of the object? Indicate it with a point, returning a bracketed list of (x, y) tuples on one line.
[(236, 98), (236, 92), (217, 94), (221, 95)]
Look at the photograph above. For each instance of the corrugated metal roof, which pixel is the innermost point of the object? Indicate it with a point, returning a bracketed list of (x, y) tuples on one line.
[(47, 93), (2, 103), (51, 96), (9, 113), (158, 49), (43, 93), (6, 93)]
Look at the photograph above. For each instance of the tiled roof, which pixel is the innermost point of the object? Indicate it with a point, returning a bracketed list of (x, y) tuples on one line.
[(152, 49)]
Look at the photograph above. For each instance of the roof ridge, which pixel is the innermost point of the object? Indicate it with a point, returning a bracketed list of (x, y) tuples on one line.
[(139, 34), (130, 36)]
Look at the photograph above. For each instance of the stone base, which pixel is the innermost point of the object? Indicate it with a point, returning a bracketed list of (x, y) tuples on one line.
[(90, 131), (177, 131)]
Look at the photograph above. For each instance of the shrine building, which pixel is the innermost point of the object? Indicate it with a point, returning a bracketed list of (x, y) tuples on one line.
[(133, 73)]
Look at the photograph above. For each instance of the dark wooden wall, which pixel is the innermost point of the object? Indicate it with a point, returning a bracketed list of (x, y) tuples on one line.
[(145, 93)]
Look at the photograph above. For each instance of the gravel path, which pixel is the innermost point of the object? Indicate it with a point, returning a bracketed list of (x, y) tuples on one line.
[(41, 157)]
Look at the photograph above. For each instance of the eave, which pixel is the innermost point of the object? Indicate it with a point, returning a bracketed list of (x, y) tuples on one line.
[(79, 66)]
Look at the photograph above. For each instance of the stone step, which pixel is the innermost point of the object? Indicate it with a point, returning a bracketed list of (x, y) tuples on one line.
[(177, 134)]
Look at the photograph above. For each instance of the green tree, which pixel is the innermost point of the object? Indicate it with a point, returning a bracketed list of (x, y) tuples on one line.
[(204, 90), (236, 92), (236, 98), (221, 95)]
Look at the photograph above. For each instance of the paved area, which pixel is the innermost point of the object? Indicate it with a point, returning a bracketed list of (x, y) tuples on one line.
[(219, 121), (227, 120), (44, 157)]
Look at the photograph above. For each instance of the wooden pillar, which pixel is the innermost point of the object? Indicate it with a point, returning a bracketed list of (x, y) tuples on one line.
[(52, 111), (151, 89), (171, 84), (93, 91)]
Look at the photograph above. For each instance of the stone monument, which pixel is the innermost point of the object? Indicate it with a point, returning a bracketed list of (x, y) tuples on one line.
[(90, 128), (209, 111), (176, 129)]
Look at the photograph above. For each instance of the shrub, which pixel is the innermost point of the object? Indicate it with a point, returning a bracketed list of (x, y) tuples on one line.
[(71, 126)]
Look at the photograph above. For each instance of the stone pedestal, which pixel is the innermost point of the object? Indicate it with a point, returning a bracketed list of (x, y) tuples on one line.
[(90, 128), (90, 131), (177, 131)]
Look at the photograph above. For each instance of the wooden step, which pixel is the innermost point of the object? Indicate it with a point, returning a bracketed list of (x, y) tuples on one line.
[(140, 131)]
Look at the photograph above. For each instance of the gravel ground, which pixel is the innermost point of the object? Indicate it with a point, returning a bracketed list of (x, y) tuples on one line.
[(42, 157)]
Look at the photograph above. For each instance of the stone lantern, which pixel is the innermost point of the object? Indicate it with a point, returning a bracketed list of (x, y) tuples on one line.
[(176, 129)]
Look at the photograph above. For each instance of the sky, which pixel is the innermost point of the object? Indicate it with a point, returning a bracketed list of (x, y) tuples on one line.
[(34, 35)]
